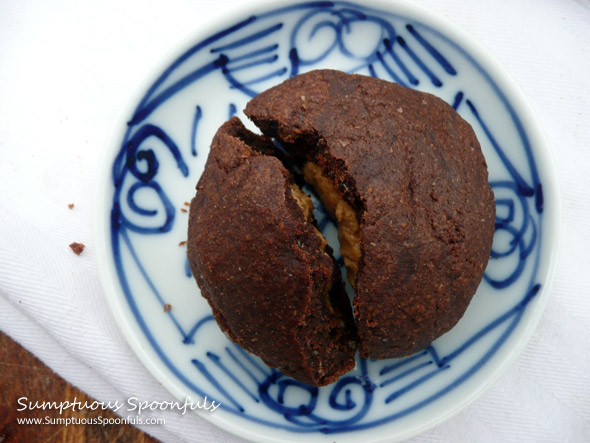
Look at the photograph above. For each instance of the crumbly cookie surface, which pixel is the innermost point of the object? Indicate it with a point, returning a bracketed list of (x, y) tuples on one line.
[(263, 266), (414, 172)]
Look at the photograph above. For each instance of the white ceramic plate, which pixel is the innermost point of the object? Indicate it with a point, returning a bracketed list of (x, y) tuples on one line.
[(158, 154)]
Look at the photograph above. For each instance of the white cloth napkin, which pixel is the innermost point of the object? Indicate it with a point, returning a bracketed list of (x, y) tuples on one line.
[(67, 68)]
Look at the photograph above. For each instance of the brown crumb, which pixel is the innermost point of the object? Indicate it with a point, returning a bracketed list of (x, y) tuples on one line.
[(187, 204), (182, 243), (71, 206), (167, 307), (77, 247), (183, 210)]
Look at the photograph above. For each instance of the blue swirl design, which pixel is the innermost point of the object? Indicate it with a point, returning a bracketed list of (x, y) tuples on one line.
[(246, 56)]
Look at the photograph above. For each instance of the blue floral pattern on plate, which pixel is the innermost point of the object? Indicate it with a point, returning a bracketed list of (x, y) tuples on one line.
[(162, 154)]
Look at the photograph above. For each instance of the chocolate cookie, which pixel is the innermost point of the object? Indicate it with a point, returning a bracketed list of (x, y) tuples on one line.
[(262, 265), (404, 176)]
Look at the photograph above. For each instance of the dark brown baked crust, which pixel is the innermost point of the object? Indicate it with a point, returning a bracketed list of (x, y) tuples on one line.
[(413, 170), (263, 267)]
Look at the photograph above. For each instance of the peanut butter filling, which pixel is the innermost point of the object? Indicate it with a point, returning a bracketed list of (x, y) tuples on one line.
[(349, 233), (303, 201), (306, 205)]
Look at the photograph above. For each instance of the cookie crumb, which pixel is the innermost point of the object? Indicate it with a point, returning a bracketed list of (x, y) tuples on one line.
[(77, 247), (183, 210), (182, 243), (167, 307), (71, 206), (187, 204)]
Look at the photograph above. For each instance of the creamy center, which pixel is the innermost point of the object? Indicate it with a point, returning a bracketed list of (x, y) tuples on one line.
[(349, 233), (306, 205)]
